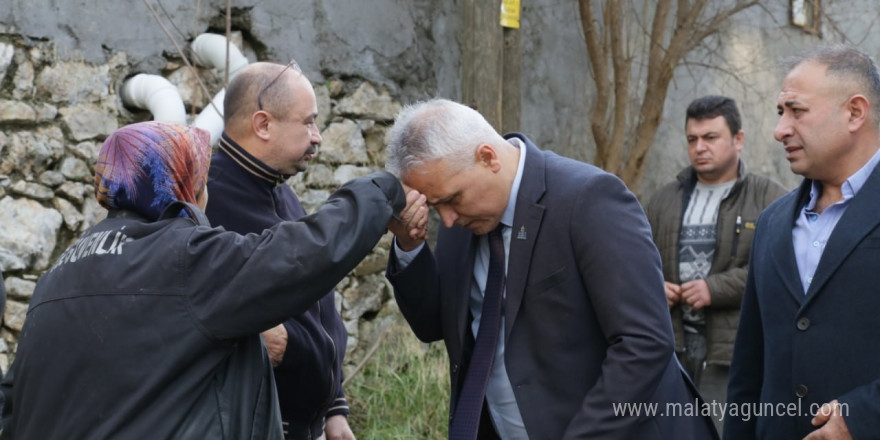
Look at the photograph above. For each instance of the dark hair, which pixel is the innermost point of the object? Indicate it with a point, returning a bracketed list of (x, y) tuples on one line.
[(848, 64), (713, 106)]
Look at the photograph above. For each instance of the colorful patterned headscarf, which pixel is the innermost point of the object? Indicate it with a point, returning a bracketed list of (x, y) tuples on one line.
[(144, 167)]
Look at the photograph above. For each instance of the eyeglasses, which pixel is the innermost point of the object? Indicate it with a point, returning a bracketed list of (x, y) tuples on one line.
[(291, 65)]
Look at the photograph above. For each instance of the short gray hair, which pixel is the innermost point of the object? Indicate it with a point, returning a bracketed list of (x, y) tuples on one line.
[(856, 68), (437, 129)]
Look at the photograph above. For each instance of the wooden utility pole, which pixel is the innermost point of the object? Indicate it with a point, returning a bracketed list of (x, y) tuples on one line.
[(511, 87), (491, 65)]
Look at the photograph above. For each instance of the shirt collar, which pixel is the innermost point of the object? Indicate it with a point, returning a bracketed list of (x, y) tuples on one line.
[(507, 216), (250, 163), (851, 186)]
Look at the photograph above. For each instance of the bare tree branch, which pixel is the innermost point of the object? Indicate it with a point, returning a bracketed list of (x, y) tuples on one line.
[(599, 67), (681, 13), (622, 68), (656, 51), (672, 35), (716, 21)]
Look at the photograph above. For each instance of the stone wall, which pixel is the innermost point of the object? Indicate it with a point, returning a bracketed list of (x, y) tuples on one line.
[(62, 64), (55, 114)]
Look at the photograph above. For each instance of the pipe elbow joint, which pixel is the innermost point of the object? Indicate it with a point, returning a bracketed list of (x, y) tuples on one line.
[(156, 94)]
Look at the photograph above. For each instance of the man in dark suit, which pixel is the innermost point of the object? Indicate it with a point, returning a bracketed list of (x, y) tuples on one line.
[(805, 364), (585, 330)]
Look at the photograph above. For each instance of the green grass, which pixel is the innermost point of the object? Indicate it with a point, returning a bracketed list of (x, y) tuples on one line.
[(402, 393)]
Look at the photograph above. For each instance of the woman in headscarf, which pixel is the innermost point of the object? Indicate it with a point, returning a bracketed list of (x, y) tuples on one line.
[(148, 326), (145, 167)]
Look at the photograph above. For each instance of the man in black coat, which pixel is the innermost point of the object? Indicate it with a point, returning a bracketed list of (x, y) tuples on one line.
[(270, 135)]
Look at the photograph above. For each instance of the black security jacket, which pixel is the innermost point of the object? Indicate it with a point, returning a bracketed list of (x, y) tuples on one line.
[(150, 329), (246, 195)]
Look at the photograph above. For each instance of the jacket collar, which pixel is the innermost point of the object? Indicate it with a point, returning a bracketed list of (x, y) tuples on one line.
[(250, 163), (688, 180), (126, 213)]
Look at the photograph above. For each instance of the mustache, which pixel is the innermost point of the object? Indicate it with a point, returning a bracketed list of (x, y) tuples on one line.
[(313, 149)]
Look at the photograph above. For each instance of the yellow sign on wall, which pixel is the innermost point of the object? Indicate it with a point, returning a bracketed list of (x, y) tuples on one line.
[(510, 13)]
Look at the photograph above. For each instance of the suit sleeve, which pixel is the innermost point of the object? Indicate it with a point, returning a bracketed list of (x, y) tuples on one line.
[(417, 292), (862, 410), (620, 269)]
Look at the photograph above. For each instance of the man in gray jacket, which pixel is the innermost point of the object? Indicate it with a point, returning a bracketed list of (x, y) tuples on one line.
[(703, 224)]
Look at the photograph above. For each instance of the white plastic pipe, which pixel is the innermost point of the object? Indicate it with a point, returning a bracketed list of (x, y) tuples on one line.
[(209, 118), (156, 94), (210, 51)]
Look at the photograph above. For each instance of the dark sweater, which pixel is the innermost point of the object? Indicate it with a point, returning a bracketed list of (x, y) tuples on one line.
[(246, 195)]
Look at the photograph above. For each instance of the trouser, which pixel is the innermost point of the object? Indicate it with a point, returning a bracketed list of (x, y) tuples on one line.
[(713, 387), (694, 354), (711, 380)]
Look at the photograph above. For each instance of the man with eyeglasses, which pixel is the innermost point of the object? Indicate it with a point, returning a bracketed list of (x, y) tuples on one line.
[(270, 135)]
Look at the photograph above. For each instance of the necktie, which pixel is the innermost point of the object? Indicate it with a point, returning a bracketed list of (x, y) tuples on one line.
[(466, 418)]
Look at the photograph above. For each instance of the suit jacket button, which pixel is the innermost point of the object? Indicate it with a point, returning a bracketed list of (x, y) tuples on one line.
[(454, 368), (801, 391), (803, 324)]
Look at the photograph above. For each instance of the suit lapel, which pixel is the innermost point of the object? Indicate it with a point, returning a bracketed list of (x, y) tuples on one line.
[(526, 224), (782, 247), (860, 218)]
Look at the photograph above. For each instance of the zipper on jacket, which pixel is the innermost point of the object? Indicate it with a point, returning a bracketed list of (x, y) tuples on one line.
[(736, 233), (333, 345), (332, 364)]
